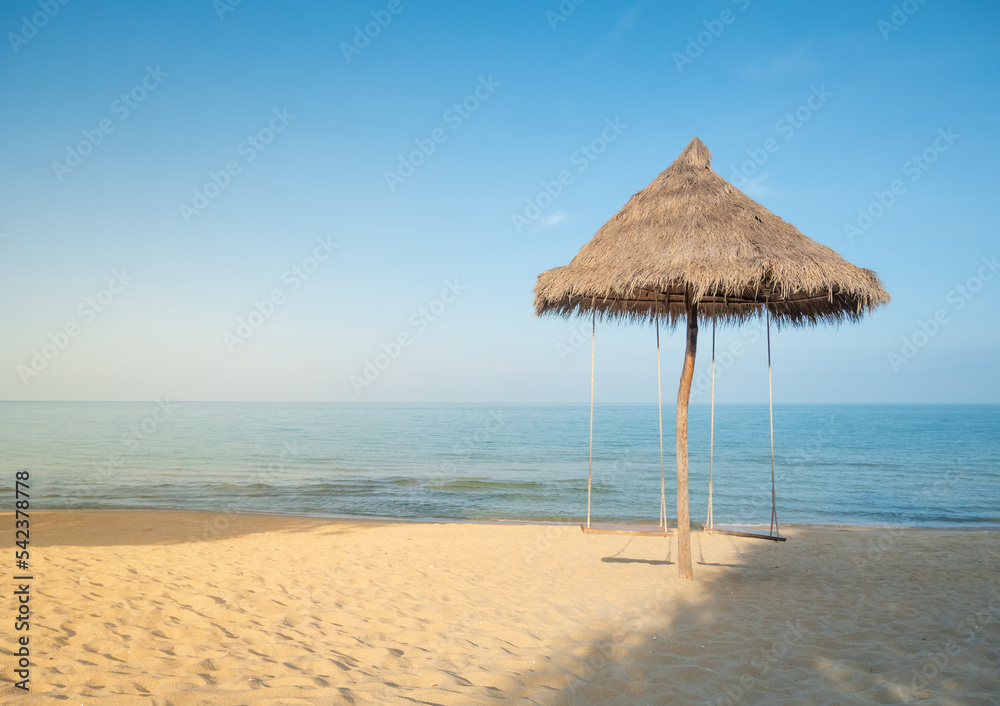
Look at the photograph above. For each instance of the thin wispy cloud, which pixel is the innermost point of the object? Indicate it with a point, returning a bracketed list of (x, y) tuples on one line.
[(553, 219), (754, 186), (625, 21), (623, 25), (794, 62)]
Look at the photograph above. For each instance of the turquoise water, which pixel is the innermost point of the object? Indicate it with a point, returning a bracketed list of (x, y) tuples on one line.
[(934, 465)]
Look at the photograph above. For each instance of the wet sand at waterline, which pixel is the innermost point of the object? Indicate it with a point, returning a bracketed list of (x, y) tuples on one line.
[(183, 608)]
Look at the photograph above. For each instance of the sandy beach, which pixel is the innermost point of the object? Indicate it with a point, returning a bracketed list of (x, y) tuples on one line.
[(193, 608)]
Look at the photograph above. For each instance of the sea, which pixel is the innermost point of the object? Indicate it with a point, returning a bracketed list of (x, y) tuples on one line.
[(854, 465)]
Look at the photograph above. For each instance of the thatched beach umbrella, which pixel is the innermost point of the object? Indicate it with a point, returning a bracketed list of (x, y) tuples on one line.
[(691, 244)]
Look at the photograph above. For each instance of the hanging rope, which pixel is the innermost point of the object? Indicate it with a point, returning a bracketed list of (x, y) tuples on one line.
[(659, 401), (770, 408), (590, 463), (711, 446)]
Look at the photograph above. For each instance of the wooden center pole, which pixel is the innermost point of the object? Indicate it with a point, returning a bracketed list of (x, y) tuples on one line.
[(683, 397)]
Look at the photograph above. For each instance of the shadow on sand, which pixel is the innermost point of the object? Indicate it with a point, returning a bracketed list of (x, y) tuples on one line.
[(799, 623)]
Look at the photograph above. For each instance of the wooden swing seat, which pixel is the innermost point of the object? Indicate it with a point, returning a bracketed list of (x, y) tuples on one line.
[(745, 532), (634, 530)]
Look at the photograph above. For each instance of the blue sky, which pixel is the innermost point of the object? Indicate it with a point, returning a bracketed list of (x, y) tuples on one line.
[(170, 169)]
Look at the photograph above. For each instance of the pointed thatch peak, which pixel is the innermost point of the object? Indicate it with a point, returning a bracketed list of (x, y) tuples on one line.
[(695, 155), (690, 233)]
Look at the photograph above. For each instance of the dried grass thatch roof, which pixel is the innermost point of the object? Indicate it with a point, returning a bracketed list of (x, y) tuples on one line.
[(691, 230)]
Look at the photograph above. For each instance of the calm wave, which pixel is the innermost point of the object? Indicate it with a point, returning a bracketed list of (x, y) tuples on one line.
[(933, 465)]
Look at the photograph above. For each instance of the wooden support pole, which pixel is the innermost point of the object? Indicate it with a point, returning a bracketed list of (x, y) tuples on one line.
[(590, 462), (683, 397)]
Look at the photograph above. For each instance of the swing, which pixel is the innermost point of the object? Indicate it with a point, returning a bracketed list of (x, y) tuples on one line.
[(710, 527), (648, 530)]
